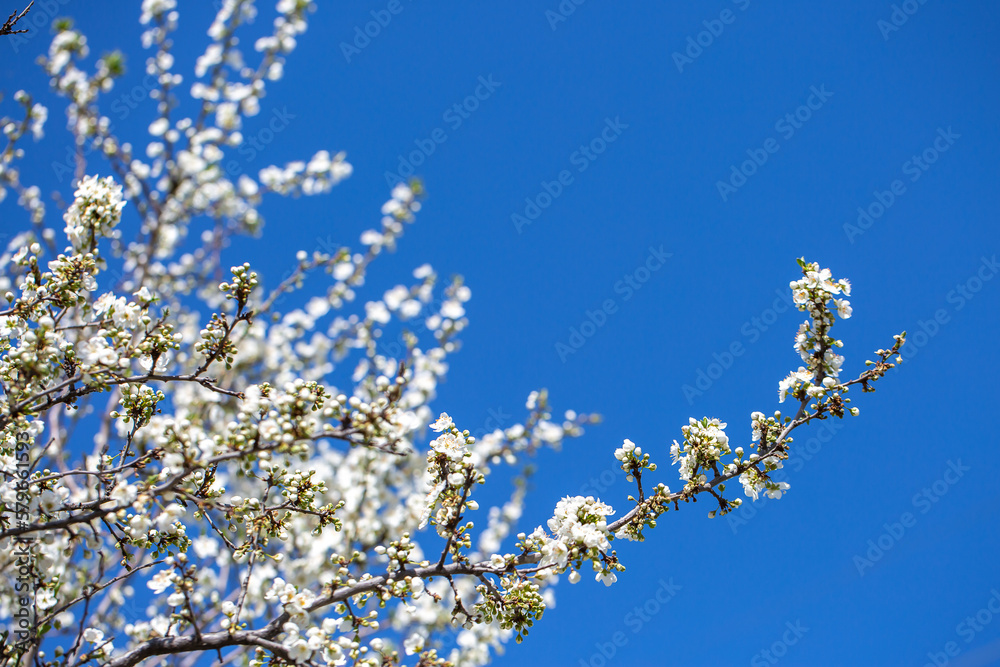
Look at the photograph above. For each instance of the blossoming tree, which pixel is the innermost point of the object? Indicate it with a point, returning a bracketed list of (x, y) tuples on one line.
[(172, 441)]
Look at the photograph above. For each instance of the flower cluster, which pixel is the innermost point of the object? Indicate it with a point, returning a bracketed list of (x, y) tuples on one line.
[(813, 294), (579, 531), (449, 477), (633, 461), (766, 433), (95, 211), (705, 443)]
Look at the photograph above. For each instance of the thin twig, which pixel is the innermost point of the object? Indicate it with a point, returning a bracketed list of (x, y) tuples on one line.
[(8, 27)]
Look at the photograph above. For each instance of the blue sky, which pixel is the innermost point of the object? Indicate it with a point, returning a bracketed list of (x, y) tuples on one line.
[(804, 114)]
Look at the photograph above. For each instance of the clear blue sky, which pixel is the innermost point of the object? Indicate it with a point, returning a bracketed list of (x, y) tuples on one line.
[(869, 105)]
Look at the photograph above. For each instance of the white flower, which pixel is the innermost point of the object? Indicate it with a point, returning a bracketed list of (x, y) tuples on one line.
[(450, 445), (751, 485), (414, 643), (39, 114), (104, 303), (139, 525), (50, 501), (171, 513), (299, 651), (159, 126), (776, 491), (332, 653), (627, 448), (377, 312), (443, 423), (532, 400), (402, 193), (96, 352), (124, 494), (790, 384), (160, 581), (452, 310), (93, 635), (144, 295)]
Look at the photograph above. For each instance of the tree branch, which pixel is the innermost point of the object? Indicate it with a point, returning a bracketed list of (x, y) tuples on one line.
[(264, 636), (8, 27)]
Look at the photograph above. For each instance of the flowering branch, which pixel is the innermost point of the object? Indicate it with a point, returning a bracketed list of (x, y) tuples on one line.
[(263, 470)]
